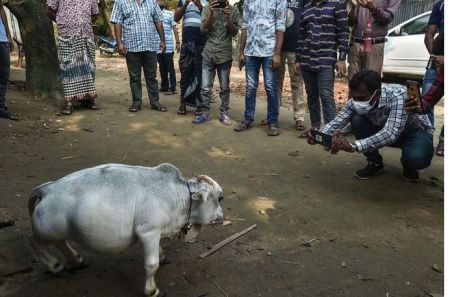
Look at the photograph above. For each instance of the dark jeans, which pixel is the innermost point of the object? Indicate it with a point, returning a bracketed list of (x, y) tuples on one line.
[(166, 68), (209, 72), (191, 73), (136, 61), (252, 67), (416, 146), (4, 72), (320, 84)]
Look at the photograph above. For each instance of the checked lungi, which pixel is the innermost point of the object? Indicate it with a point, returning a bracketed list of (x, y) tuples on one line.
[(77, 65)]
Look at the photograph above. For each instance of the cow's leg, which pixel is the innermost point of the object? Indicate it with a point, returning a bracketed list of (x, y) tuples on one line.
[(44, 254), (150, 244), (72, 257)]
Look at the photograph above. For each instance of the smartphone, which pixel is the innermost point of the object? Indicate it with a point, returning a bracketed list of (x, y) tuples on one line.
[(322, 138), (221, 4), (413, 89)]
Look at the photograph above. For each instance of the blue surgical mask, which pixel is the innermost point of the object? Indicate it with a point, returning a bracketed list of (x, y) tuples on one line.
[(363, 107)]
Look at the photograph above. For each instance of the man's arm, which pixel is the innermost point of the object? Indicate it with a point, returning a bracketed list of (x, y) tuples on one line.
[(342, 31), (280, 27), (160, 30), (177, 38), (5, 23), (430, 32), (207, 17), (382, 16), (353, 15), (232, 20), (341, 120), (181, 9)]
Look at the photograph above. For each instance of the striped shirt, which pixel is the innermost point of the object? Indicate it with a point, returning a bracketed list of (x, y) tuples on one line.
[(261, 19), (323, 31), (389, 114), (168, 23), (138, 22), (191, 22)]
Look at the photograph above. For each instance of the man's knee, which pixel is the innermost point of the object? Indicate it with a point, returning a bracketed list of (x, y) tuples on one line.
[(419, 157)]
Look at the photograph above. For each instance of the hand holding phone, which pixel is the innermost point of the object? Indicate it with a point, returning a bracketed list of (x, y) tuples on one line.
[(413, 103), (322, 138)]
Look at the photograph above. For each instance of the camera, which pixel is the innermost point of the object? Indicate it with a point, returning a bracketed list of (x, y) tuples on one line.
[(222, 3)]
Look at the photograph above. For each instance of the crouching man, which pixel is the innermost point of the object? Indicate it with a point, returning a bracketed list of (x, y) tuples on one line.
[(377, 114)]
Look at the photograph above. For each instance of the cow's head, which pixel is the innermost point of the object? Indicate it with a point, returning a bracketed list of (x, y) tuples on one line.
[(206, 205)]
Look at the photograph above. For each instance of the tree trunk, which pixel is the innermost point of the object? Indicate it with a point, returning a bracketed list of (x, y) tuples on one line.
[(36, 29), (106, 16)]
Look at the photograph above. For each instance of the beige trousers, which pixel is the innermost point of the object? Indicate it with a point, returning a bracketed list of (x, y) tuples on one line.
[(296, 85), (358, 60)]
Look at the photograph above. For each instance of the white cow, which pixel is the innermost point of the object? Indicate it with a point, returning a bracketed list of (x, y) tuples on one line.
[(109, 207)]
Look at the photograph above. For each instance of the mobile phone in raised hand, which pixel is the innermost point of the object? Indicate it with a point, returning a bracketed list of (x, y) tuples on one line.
[(413, 90)]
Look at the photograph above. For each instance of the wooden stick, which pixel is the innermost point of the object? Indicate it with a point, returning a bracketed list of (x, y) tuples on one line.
[(226, 241), (218, 287)]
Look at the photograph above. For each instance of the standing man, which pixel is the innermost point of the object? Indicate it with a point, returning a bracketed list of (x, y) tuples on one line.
[(6, 46), (261, 42), (435, 25), (377, 14), (74, 19), (135, 22), (219, 25), (294, 10), (191, 52), (323, 32), (165, 60)]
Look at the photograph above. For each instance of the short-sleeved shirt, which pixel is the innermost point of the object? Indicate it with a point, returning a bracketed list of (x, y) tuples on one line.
[(168, 23), (3, 37), (437, 15), (138, 23), (74, 17), (191, 23), (293, 15), (262, 18)]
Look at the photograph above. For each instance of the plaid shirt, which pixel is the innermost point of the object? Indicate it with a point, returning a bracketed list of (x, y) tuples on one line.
[(138, 23), (389, 114)]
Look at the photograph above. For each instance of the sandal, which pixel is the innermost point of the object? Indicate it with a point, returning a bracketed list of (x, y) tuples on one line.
[(5, 114), (225, 119), (299, 125), (440, 148), (273, 130), (182, 110), (68, 110), (159, 107), (201, 119), (135, 107)]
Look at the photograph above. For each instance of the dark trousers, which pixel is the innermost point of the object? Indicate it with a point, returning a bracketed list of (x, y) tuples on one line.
[(319, 86), (135, 63), (166, 69), (416, 146), (4, 72)]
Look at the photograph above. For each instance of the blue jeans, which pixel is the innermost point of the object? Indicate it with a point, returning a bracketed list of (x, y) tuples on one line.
[(428, 79), (252, 67), (208, 73), (416, 146), (320, 84)]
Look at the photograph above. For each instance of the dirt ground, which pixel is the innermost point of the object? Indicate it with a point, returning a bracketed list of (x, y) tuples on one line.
[(321, 232)]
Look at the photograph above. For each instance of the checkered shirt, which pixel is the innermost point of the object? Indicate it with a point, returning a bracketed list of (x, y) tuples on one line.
[(389, 114), (138, 23)]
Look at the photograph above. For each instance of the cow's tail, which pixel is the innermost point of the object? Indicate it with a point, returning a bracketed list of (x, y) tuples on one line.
[(35, 198)]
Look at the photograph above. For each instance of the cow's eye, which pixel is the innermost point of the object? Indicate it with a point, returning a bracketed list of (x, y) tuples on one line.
[(220, 198)]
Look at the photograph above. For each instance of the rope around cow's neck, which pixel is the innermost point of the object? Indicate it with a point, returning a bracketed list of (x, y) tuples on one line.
[(188, 225)]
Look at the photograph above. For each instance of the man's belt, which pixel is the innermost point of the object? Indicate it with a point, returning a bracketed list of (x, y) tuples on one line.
[(374, 40)]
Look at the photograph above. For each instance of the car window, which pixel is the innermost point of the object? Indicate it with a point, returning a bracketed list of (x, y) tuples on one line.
[(417, 26)]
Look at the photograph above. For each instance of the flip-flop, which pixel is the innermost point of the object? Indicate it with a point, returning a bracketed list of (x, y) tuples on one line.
[(159, 107), (201, 119), (134, 108), (68, 110), (182, 110)]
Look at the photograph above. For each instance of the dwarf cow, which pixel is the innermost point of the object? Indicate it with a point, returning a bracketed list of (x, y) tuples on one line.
[(108, 208)]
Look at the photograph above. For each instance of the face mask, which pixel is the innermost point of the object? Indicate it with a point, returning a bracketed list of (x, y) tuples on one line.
[(363, 107)]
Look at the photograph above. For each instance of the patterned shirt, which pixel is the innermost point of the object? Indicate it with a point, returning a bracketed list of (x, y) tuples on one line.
[(168, 23), (323, 31), (389, 114), (262, 18), (382, 16), (138, 23), (74, 17)]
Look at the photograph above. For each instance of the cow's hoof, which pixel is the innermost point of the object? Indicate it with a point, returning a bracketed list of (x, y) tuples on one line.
[(56, 268), (156, 293)]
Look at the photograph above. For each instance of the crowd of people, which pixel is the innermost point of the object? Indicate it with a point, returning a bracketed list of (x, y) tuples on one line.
[(311, 36)]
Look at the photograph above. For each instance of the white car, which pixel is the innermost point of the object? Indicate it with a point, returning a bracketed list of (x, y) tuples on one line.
[(405, 53)]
